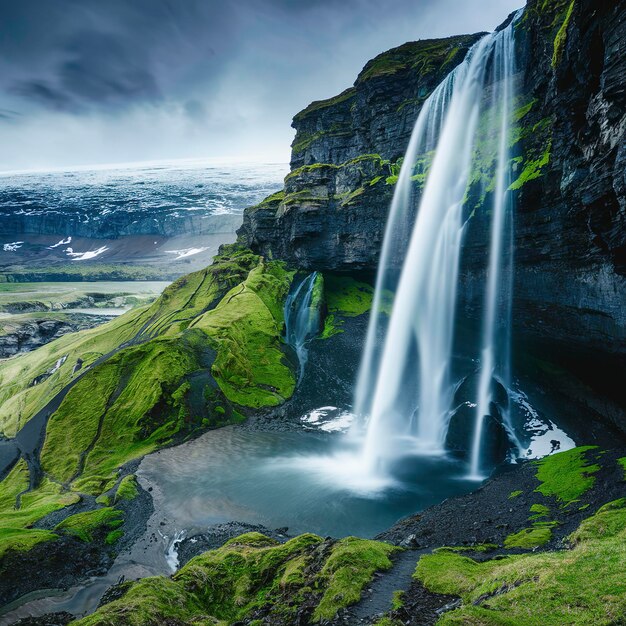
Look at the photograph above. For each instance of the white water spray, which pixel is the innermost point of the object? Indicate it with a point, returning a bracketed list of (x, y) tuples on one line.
[(405, 388)]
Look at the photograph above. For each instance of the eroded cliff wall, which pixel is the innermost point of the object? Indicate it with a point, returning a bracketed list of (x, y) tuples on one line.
[(569, 178)]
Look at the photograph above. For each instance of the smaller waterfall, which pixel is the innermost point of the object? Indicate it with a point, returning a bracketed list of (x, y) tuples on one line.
[(302, 317)]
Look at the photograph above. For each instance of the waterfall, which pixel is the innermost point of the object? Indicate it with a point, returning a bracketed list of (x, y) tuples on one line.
[(501, 105), (302, 317), (405, 385)]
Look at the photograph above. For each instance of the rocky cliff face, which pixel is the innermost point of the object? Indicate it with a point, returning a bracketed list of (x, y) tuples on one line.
[(345, 159), (569, 176)]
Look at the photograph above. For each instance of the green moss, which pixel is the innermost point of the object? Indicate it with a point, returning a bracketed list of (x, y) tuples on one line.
[(347, 296), (523, 110), (389, 621), (539, 510), (533, 169), (15, 531), (351, 565), (332, 326), (245, 330), (254, 579), (151, 391), (581, 586), (86, 525), (515, 494), (477, 547), (305, 169), (113, 537), (344, 96), (561, 36), (273, 199), (128, 488), (529, 538), (567, 475), (304, 140), (622, 462), (397, 601), (22, 540), (423, 57)]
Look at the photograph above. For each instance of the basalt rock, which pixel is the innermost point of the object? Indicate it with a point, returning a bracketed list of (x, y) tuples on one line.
[(345, 159), (568, 179)]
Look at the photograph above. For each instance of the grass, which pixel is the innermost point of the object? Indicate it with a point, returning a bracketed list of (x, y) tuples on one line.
[(581, 586), (85, 526), (252, 576), (351, 565), (127, 489), (568, 475)]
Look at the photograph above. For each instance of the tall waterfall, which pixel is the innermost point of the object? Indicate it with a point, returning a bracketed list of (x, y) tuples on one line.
[(405, 384), (491, 342), (302, 318)]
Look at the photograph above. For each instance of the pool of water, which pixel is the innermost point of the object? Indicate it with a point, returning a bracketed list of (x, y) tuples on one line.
[(306, 481)]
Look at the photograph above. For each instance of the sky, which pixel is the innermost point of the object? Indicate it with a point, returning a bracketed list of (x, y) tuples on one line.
[(116, 81)]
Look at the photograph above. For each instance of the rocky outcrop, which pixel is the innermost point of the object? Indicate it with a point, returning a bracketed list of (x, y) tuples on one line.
[(27, 335), (345, 159), (569, 181)]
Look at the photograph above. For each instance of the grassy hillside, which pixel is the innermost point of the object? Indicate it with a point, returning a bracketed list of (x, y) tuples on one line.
[(202, 354), (207, 351)]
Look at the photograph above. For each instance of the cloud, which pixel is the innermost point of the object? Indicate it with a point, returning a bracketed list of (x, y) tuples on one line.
[(164, 78)]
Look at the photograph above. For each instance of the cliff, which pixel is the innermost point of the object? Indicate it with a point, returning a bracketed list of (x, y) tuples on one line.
[(345, 156), (568, 171)]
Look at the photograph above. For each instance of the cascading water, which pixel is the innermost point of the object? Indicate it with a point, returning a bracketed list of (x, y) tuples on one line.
[(405, 386), (302, 318), (492, 344)]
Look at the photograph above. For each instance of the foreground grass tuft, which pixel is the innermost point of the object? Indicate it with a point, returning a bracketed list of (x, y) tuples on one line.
[(581, 586), (253, 577)]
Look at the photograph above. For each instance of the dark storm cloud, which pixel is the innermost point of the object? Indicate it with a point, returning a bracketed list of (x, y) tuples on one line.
[(74, 55), (120, 80)]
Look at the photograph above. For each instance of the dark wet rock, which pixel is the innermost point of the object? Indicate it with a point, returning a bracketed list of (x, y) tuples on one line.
[(30, 335), (57, 564), (496, 443), (115, 592), (333, 213), (49, 619), (489, 514)]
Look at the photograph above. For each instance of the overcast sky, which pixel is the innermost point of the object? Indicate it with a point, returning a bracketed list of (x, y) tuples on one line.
[(110, 81)]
